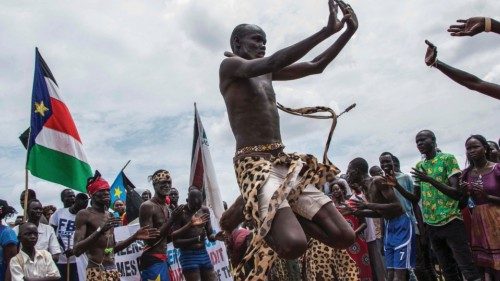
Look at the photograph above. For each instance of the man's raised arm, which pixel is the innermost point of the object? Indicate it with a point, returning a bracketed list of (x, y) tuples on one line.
[(238, 67), (461, 77), (319, 63)]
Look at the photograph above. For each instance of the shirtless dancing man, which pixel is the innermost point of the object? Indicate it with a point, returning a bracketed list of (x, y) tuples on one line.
[(262, 168), (94, 233), (399, 238), (155, 213), (192, 227)]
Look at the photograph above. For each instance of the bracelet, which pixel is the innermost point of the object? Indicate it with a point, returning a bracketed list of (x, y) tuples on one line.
[(434, 64), (487, 24)]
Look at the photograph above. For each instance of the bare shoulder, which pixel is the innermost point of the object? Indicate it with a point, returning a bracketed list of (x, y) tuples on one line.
[(205, 209), (147, 206), (378, 180), (83, 216), (229, 66)]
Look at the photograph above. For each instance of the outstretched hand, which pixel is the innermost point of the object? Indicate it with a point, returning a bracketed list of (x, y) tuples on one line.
[(431, 54), (469, 27), (349, 15), (420, 176), (359, 203), (146, 233), (344, 209), (199, 220)]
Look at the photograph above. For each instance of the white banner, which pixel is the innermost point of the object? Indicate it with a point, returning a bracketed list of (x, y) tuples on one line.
[(126, 260)]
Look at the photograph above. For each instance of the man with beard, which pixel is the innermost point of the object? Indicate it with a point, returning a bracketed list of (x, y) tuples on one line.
[(63, 222), (192, 227), (94, 233), (155, 213)]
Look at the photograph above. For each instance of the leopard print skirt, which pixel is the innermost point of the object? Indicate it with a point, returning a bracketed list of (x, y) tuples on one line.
[(321, 262), (252, 171), (99, 274)]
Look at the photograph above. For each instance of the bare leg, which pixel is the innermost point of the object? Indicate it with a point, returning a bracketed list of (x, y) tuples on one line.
[(329, 227), (399, 274), (208, 275), (390, 274), (286, 236), (192, 275)]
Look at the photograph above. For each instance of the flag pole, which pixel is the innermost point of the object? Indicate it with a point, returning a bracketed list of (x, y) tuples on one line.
[(126, 164), (25, 215)]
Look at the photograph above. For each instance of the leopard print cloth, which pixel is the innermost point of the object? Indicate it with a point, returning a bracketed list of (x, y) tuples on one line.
[(288, 270), (321, 262), (98, 274), (252, 172)]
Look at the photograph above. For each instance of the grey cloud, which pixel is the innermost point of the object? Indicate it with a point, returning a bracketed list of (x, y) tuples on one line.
[(131, 71)]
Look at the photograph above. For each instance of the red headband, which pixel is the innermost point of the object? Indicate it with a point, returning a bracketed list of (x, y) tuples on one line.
[(97, 185)]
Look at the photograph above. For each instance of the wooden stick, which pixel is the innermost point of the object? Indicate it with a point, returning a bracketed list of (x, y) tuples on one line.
[(67, 261), (125, 165), (25, 218)]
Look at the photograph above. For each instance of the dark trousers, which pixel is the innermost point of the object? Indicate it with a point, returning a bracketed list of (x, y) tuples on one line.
[(73, 272), (452, 251), (424, 269)]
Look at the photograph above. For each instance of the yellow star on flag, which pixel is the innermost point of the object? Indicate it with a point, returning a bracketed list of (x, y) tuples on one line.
[(156, 279), (118, 192), (40, 108)]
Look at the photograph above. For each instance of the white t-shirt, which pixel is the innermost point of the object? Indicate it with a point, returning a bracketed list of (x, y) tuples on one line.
[(47, 239), (64, 221), (370, 226)]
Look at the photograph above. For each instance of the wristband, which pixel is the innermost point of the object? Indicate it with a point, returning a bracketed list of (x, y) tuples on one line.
[(487, 24), (434, 64)]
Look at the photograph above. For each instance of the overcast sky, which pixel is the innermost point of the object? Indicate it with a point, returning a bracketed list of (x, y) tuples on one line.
[(130, 71)]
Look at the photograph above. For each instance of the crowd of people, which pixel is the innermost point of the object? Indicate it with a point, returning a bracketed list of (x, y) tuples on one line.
[(296, 218), (36, 249), (438, 221)]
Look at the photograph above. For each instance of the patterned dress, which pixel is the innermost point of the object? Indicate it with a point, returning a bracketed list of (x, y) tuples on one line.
[(485, 232), (359, 250)]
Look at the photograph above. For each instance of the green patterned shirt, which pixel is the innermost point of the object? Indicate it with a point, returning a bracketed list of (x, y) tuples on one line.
[(438, 208)]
